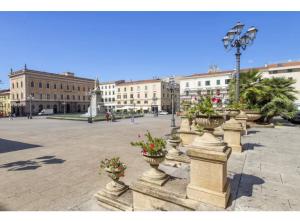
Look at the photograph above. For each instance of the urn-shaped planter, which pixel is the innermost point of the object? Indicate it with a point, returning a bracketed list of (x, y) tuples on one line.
[(232, 112), (209, 122), (174, 143), (154, 175), (253, 115)]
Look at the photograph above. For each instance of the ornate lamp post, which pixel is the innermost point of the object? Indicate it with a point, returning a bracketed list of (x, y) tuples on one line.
[(235, 39), (172, 86), (132, 114), (30, 98)]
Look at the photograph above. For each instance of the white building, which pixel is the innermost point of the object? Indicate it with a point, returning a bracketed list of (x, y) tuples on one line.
[(214, 84), (287, 70), (109, 94)]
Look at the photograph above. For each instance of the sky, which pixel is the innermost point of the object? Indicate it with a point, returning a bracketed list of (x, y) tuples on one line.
[(140, 45)]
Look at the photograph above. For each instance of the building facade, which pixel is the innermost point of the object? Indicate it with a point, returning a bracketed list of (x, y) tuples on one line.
[(145, 96), (287, 70), (108, 90), (4, 103), (60, 92), (213, 84)]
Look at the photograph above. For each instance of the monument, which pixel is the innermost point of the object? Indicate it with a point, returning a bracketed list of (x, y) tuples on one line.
[(96, 103)]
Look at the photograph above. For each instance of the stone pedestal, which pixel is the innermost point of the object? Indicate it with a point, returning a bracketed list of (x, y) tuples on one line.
[(188, 137), (208, 175), (218, 132), (242, 118), (232, 134)]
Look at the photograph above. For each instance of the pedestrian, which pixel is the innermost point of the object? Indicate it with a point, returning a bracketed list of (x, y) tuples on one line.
[(107, 116)]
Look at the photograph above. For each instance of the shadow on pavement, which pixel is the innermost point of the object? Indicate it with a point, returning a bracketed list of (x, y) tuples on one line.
[(31, 164), (10, 145), (252, 132), (251, 146), (242, 185)]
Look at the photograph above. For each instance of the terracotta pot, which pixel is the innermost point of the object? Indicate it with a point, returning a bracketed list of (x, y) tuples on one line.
[(211, 122), (253, 115)]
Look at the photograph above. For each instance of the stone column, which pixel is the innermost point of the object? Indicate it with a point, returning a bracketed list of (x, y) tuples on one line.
[(208, 174), (232, 134), (242, 118)]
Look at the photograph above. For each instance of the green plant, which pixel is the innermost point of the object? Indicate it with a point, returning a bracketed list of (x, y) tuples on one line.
[(199, 128), (237, 106), (152, 146), (114, 166), (205, 107)]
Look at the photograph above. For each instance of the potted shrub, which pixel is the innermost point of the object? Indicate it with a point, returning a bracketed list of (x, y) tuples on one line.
[(253, 114), (234, 109), (114, 169), (206, 116), (153, 150)]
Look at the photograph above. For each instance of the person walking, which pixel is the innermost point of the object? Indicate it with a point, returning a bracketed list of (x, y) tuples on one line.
[(107, 116)]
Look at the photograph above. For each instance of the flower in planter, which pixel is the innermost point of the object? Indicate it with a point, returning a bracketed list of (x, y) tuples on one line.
[(114, 167), (152, 146)]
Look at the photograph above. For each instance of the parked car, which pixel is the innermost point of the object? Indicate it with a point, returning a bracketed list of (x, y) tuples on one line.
[(46, 112), (163, 113)]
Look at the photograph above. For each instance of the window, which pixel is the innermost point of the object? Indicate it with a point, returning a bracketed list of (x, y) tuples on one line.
[(138, 95), (113, 99), (146, 88), (124, 88), (146, 95), (73, 87), (13, 96), (61, 96), (17, 85), (105, 92), (109, 99), (13, 86), (68, 97), (138, 102), (218, 92), (40, 85), (82, 88), (73, 97), (154, 94), (79, 97), (119, 102), (119, 89), (48, 85), (118, 96), (54, 86), (61, 86), (138, 88), (78, 88), (218, 82), (124, 96), (199, 83), (41, 96), (48, 96), (113, 92), (145, 102), (21, 84), (227, 81), (105, 86), (105, 99), (289, 70), (207, 83), (125, 102), (55, 96), (131, 95), (83, 98), (131, 88), (186, 93), (67, 87), (32, 84), (187, 84)]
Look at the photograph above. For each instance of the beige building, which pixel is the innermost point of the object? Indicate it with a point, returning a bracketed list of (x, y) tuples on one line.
[(145, 96), (4, 103), (60, 92), (108, 90)]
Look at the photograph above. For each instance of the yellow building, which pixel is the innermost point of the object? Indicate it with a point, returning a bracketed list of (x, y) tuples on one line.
[(60, 92), (145, 96), (4, 103)]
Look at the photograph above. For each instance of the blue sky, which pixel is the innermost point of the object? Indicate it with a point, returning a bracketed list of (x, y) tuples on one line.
[(139, 45)]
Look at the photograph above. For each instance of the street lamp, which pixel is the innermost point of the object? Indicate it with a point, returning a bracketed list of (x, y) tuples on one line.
[(30, 98), (132, 115), (172, 86), (234, 39), (90, 118)]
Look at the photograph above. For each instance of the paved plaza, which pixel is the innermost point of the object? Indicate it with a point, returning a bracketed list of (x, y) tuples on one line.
[(54, 164)]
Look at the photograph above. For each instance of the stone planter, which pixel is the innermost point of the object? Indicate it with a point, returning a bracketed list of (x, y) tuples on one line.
[(232, 112), (115, 187), (209, 123), (174, 143), (253, 115), (154, 175)]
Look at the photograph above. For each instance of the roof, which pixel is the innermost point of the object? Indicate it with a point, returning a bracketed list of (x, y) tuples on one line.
[(287, 64), (4, 91), (23, 71), (140, 82)]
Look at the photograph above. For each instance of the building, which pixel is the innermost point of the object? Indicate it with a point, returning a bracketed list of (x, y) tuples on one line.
[(214, 84), (287, 70), (109, 94), (4, 103), (60, 92), (145, 96)]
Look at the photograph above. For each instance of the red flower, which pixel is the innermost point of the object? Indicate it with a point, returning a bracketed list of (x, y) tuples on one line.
[(144, 151), (152, 146)]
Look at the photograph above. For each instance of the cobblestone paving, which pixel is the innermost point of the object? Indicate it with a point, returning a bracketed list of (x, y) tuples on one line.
[(53, 164)]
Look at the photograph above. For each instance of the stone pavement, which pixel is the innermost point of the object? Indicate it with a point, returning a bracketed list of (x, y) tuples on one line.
[(53, 164)]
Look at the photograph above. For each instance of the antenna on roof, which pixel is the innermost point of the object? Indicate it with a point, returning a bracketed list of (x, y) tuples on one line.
[(25, 67), (213, 68), (11, 70)]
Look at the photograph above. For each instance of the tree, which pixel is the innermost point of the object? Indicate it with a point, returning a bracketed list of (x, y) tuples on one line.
[(272, 96)]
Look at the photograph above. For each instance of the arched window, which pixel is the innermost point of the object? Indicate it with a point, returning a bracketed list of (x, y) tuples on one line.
[(32, 84)]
